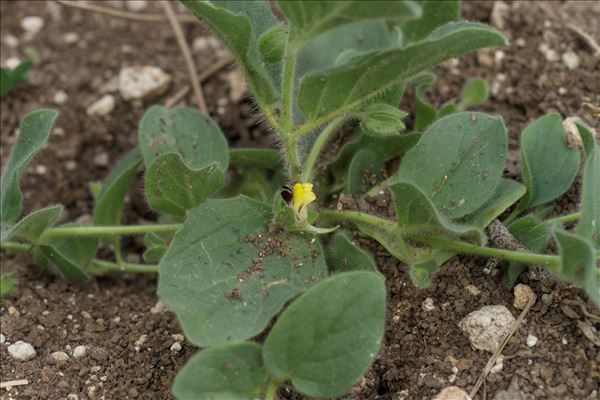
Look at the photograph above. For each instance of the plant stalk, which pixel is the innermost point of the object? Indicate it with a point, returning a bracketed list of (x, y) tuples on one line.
[(271, 393), (97, 231), (324, 136), (565, 218)]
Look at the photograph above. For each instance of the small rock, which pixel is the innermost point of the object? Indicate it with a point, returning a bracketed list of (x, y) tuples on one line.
[(101, 159), (473, 290), (11, 41), (487, 327), (13, 311), (136, 5), (138, 83), (72, 396), (2, 338), (522, 295), (531, 340), (22, 351), (102, 106), (396, 319), (158, 308), (178, 337), (571, 60), (498, 57), (32, 24), (59, 357), (452, 393), (79, 351), (176, 347), (60, 97), (71, 165), (500, 12), (237, 85), (204, 43), (520, 42), (427, 305), (552, 55), (497, 368), (12, 62), (141, 340), (99, 353), (70, 37), (41, 169)]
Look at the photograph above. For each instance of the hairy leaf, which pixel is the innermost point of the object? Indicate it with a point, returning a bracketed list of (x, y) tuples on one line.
[(507, 193), (225, 275), (365, 162), (549, 165), (325, 95), (233, 372), (71, 256), (434, 14), (31, 227), (588, 136), (458, 161), (344, 256), (589, 224), (263, 158), (33, 134), (156, 247), (330, 335), (474, 93)]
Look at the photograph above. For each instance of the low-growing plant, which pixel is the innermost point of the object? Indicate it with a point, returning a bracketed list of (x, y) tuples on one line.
[(235, 249)]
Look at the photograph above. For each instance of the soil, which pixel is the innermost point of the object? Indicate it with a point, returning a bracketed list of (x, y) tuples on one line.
[(129, 340)]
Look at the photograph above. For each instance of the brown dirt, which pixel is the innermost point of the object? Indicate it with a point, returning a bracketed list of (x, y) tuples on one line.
[(110, 314)]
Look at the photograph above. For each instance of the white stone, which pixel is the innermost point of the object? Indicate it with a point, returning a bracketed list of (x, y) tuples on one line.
[(59, 357), (158, 308), (452, 393), (72, 396), (2, 338), (79, 351), (571, 60), (520, 42), (552, 55), (22, 351), (70, 37), (11, 41), (101, 159), (496, 368), (176, 347), (522, 295), (71, 165), (531, 340), (138, 343), (12, 62), (138, 83), (500, 12), (102, 106), (427, 305), (473, 290), (136, 5), (487, 327), (32, 24), (60, 97), (41, 169), (178, 337)]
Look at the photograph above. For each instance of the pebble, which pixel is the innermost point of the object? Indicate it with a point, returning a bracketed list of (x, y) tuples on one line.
[(71, 165), (22, 351), (427, 305), (102, 106), (452, 393), (101, 159), (12, 62), (178, 337), (41, 169), (522, 295), (500, 12), (70, 37), (32, 24), (473, 290), (520, 42), (2, 338), (136, 5), (59, 357), (498, 366), (571, 60), (79, 351), (11, 41), (487, 327), (158, 308), (13, 311), (237, 85), (138, 343), (72, 396), (552, 55), (138, 83), (176, 347), (531, 340), (60, 97)]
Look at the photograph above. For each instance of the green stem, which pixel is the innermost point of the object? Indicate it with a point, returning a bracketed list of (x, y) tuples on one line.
[(287, 87), (14, 246), (510, 255), (323, 138), (96, 231), (272, 391), (289, 145), (512, 216), (565, 218), (356, 217)]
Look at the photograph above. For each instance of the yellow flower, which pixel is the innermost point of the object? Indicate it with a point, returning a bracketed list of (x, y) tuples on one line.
[(302, 195)]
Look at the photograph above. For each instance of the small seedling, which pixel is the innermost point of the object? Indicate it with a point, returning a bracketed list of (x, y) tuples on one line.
[(232, 253)]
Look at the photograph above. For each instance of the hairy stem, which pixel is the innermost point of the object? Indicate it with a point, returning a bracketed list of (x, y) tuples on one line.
[(565, 218), (271, 393), (323, 138), (96, 231), (355, 216)]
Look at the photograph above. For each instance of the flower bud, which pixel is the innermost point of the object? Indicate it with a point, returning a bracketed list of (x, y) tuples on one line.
[(272, 44), (383, 120)]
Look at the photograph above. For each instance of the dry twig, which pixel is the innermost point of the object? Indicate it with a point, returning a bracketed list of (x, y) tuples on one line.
[(17, 382), (113, 12), (187, 55), (497, 353), (588, 39)]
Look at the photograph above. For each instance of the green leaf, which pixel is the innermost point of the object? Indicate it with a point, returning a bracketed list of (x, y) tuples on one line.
[(263, 158), (327, 94), (156, 247), (33, 134), (588, 136), (110, 199), (435, 13), (365, 162), (311, 18), (239, 24), (505, 195), (383, 120), (71, 256), (31, 227), (233, 372), (474, 93), (172, 188), (225, 275), (272, 44), (589, 224), (549, 165), (185, 131), (458, 161), (9, 78), (8, 285), (425, 112), (343, 256), (330, 335), (578, 263)]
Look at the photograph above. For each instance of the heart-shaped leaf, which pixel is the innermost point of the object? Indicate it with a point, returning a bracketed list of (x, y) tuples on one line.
[(233, 372), (344, 256), (33, 134), (458, 161), (172, 188), (31, 227), (589, 224), (225, 275), (549, 165), (185, 131), (328, 94), (330, 335)]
